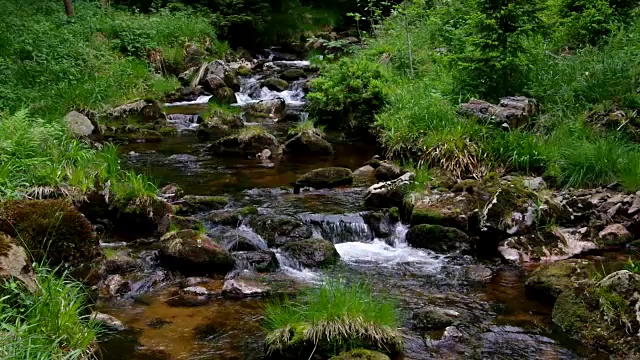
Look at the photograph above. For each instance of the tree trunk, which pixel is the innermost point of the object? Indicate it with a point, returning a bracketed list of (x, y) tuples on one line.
[(69, 7)]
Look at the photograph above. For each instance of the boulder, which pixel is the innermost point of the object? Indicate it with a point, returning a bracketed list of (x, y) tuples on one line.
[(52, 231), (245, 144), (187, 77), (380, 223), (213, 83), (15, 264), (386, 171), (115, 286), (142, 112), (260, 261), (275, 84), (389, 194), (307, 142), (143, 217), (360, 354), (293, 74), (242, 289), (312, 253), (325, 178), (194, 254), (273, 109), (510, 113), (550, 244), (614, 235), (440, 239), (445, 209), (78, 124), (431, 318), (242, 240), (224, 95), (193, 56), (217, 68), (171, 192), (279, 230)]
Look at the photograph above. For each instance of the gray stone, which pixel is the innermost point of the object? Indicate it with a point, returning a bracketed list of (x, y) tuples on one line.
[(108, 321), (240, 289), (389, 194), (78, 124)]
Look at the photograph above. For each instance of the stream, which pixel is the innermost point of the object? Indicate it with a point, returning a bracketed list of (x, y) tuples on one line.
[(497, 320)]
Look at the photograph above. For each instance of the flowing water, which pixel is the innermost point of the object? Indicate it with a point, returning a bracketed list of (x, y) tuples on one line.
[(498, 321)]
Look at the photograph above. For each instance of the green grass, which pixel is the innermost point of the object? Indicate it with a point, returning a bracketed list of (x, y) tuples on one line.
[(307, 126), (48, 324), (98, 58), (335, 316)]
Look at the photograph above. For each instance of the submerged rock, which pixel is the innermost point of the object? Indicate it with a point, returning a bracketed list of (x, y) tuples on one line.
[(440, 239), (389, 194), (307, 142), (360, 354), (325, 178), (312, 253), (52, 230), (434, 318), (194, 254), (278, 230), (14, 263)]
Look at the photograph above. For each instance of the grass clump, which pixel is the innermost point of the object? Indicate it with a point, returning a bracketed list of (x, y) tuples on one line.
[(47, 324), (307, 126), (332, 318)]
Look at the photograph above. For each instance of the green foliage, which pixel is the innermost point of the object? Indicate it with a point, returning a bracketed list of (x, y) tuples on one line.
[(633, 266), (307, 126), (348, 93), (335, 316), (48, 324), (97, 58)]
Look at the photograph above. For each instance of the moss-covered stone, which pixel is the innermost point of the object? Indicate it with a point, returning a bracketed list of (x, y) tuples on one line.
[(191, 204), (278, 230), (552, 279), (438, 238), (394, 214), (194, 254), (293, 74), (577, 318), (361, 354), (325, 178), (243, 70), (308, 142), (50, 230), (142, 217), (248, 210), (313, 253), (275, 84)]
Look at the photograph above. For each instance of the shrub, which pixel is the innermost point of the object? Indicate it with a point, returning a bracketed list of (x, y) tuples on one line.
[(332, 318), (47, 324), (348, 93)]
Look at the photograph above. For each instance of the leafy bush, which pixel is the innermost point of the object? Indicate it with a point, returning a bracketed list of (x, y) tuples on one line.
[(348, 93), (332, 318), (48, 324)]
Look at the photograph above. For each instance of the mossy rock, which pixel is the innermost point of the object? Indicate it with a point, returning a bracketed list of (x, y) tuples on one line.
[(440, 239), (245, 144), (313, 253), (191, 204), (575, 317), (51, 231), (139, 113), (293, 74), (275, 84), (307, 142), (325, 178), (260, 261), (361, 354), (552, 279), (224, 95), (143, 217), (394, 214), (194, 254), (243, 70), (278, 230)]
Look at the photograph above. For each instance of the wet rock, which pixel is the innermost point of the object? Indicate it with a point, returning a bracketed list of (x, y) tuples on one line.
[(224, 95), (219, 124), (242, 240), (193, 56), (360, 354), (273, 109), (152, 354), (434, 318), (440, 239), (108, 322), (445, 209), (546, 245), (213, 83), (389, 194), (293, 74), (192, 204), (379, 223), (149, 217), (275, 84), (14, 263), (190, 297), (366, 172), (115, 285), (551, 279), (278, 230), (246, 144), (307, 142), (187, 77), (196, 290), (78, 124), (260, 261), (194, 254), (510, 113), (241, 289), (177, 222), (50, 229), (171, 192), (120, 263), (312, 253), (614, 235), (477, 273), (325, 178), (157, 323)]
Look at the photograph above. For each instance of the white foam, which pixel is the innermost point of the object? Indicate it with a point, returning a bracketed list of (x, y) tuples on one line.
[(204, 99)]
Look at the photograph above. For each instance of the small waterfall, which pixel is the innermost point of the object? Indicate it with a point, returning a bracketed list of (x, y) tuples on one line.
[(339, 228), (184, 122), (204, 99), (295, 270)]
